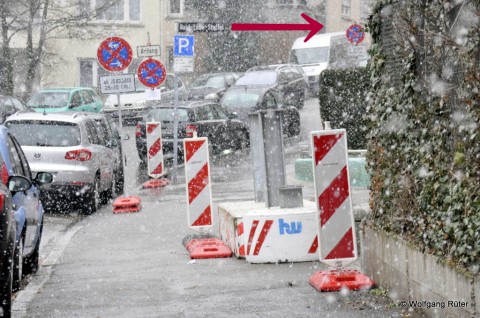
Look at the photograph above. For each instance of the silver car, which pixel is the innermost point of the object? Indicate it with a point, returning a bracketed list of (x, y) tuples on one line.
[(134, 104), (71, 147)]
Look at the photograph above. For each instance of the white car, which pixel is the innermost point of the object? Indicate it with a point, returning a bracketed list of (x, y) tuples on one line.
[(72, 148), (134, 104)]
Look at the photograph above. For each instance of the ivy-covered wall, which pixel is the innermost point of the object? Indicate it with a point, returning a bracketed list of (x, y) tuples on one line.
[(423, 121), (342, 102)]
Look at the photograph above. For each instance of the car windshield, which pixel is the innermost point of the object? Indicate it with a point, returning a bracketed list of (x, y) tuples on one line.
[(215, 81), (235, 99), (45, 133), (310, 55), (167, 114), (258, 78), (49, 100)]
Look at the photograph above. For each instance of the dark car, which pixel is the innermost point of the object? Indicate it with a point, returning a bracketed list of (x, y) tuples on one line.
[(10, 105), (21, 217), (211, 86), (206, 118), (241, 101), (288, 79)]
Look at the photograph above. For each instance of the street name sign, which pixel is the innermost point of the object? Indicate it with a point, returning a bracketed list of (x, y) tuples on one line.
[(114, 54), (201, 27), (117, 84), (148, 51)]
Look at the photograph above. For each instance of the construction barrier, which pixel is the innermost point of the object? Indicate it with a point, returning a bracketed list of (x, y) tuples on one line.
[(155, 166), (335, 218), (197, 175)]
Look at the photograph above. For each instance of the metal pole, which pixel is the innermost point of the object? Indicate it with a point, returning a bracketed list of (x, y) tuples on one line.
[(121, 141), (175, 128)]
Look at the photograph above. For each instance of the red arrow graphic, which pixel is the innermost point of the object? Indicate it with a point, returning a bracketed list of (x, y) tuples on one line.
[(313, 26)]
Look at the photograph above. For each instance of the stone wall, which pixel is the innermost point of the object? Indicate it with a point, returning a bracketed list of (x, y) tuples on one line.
[(411, 276)]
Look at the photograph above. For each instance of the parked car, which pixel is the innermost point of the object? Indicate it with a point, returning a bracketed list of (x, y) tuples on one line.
[(75, 99), (10, 105), (207, 118), (211, 86), (27, 208), (242, 101), (134, 105), (288, 79), (72, 148), (112, 139), (7, 246)]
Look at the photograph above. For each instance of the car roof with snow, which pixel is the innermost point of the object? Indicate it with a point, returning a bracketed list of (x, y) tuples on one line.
[(40, 116)]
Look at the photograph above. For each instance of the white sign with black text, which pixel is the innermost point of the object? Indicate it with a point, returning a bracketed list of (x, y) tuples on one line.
[(183, 64), (148, 51), (114, 84)]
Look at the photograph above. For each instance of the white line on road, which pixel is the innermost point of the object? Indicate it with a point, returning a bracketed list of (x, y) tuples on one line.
[(25, 296)]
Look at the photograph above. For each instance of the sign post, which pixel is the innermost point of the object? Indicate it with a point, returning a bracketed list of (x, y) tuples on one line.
[(183, 48), (115, 54)]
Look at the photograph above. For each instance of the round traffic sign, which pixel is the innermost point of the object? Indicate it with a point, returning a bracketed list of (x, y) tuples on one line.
[(355, 33), (114, 54), (151, 73)]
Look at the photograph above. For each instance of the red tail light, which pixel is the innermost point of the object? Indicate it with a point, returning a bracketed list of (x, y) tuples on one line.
[(4, 174), (138, 130), (190, 130), (2, 201), (80, 155)]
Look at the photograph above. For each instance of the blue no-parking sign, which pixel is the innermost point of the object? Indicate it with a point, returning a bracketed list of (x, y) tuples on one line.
[(183, 45)]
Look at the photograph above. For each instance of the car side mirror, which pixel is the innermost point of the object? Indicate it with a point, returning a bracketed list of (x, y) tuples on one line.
[(18, 183), (43, 178), (232, 116)]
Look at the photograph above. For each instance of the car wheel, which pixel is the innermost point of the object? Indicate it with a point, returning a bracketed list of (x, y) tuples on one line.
[(295, 127), (119, 181), (93, 198), (243, 140), (300, 100), (30, 264), (18, 265)]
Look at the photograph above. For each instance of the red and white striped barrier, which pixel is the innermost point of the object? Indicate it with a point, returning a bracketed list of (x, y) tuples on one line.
[(154, 150), (197, 175), (334, 202)]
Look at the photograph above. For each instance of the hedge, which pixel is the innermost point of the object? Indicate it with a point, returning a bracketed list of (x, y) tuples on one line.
[(342, 102), (424, 132)]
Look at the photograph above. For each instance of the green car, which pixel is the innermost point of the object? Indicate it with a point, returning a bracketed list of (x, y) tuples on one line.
[(66, 99)]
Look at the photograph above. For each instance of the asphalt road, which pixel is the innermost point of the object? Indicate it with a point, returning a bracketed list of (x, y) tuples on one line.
[(134, 265)]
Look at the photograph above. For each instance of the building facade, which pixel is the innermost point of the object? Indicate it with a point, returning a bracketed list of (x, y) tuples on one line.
[(72, 60)]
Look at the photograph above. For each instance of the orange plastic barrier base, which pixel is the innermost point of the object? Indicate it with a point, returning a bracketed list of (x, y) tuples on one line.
[(156, 183), (128, 204), (208, 248), (334, 280)]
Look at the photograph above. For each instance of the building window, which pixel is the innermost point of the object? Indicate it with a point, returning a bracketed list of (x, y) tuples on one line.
[(346, 8), (365, 10), (112, 10), (175, 7)]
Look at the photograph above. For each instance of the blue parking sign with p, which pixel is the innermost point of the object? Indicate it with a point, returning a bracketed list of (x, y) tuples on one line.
[(183, 45)]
